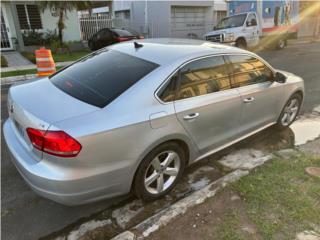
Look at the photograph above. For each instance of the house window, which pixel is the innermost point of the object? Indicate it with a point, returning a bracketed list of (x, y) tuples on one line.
[(29, 16)]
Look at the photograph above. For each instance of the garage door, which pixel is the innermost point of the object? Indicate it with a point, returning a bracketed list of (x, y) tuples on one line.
[(188, 22)]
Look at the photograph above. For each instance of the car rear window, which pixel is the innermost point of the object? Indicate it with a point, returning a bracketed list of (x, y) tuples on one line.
[(122, 33), (102, 76)]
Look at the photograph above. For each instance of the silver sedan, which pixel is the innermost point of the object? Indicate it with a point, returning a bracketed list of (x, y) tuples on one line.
[(134, 115)]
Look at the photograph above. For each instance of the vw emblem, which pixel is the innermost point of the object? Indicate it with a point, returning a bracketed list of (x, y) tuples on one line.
[(11, 108)]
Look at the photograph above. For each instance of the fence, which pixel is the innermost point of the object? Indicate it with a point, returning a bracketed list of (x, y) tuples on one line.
[(92, 24), (161, 28)]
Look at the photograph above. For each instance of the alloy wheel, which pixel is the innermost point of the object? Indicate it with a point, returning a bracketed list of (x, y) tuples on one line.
[(162, 172), (290, 112)]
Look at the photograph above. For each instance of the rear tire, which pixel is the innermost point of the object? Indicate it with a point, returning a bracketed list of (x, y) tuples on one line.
[(281, 43), (159, 171), (91, 45), (290, 111)]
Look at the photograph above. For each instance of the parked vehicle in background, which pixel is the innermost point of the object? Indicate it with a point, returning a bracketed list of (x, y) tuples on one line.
[(108, 36), (132, 116), (249, 21)]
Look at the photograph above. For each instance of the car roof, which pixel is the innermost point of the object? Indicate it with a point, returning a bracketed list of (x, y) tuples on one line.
[(167, 50)]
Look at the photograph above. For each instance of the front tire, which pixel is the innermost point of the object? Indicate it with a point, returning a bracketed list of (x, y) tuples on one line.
[(241, 43), (290, 111), (159, 171)]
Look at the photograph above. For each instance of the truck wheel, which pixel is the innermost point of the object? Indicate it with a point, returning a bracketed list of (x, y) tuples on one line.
[(281, 44), (241, 43)]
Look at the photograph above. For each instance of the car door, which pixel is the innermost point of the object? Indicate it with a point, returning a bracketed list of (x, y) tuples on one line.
[(260, 94), (205, 105), (252, 30)]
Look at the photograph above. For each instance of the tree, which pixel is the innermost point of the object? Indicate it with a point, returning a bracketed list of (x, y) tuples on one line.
[(61, 9)]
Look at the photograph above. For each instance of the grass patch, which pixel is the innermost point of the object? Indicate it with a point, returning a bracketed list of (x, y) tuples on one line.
[(228, 230), (21, 72), (280, 198), (64, 57), (4, 62), (59, 57)]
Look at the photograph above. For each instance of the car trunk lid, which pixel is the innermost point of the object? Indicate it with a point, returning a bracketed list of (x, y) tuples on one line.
[(38, 105)]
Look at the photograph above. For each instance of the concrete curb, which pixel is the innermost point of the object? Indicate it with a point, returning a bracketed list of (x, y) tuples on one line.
[(14, 79), (162, 218)]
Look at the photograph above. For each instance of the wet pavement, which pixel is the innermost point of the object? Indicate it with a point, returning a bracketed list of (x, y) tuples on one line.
[(25, 215)]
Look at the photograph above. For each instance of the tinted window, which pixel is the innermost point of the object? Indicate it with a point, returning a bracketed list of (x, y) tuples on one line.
[(122, 33), (102, 76), (167, 95), (202, 77), (248, 70)]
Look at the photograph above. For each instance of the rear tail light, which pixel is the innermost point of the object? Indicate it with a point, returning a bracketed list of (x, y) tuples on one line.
[(122, 39), (56, 143)]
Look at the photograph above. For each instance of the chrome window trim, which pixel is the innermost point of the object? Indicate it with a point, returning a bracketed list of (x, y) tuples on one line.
[(161, 86)]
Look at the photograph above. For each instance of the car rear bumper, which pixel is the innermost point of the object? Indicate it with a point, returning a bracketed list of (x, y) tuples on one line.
[(64, 184)]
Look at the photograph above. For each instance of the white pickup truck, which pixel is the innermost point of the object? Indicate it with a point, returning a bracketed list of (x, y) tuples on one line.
[(250, 21)]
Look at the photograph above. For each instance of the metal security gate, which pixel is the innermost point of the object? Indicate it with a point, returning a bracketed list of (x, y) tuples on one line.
[(6, 43), (89, 25), (188, 22)]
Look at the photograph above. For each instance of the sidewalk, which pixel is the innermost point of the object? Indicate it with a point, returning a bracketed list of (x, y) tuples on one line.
[(15, 59)]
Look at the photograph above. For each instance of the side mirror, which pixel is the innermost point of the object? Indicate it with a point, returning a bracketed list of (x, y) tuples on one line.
[(280, 78)]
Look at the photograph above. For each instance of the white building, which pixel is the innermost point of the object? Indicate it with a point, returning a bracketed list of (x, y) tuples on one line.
[(184, 19), (19, 17)]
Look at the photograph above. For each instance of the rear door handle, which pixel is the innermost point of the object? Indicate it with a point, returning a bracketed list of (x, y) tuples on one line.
[(248, 100), (191, 116)]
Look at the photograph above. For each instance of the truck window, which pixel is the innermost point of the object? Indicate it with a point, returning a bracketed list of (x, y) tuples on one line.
[(231, 22), (251, 20)]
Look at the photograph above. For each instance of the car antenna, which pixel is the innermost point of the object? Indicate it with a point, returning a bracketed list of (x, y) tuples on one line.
[(137, 45)]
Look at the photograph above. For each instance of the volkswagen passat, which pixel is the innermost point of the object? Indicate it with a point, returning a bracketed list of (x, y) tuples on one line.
[(132, 116)]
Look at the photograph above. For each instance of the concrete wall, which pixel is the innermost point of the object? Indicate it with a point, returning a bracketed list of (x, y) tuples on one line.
[(159, 14), (72, 30), (49, 22)]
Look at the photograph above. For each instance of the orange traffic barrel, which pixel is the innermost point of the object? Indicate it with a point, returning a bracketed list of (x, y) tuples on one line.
[(45, 63)]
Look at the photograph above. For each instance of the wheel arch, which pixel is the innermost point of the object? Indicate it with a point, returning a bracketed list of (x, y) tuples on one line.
[(183, 141), (241, 38)]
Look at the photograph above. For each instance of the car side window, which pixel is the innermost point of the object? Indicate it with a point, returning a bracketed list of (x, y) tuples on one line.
[(168, 93), (203, 76), (247, 70), (252, 20)]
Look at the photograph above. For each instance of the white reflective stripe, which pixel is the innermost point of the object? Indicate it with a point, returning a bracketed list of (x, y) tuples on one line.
[(46, 69), (43, 59)]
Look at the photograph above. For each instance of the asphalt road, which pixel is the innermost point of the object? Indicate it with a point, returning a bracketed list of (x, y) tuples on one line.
[(25, 215)]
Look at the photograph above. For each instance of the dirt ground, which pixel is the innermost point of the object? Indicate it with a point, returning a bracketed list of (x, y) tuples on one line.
[(207, 221)]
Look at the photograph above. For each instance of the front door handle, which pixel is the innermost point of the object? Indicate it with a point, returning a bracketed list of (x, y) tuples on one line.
[(191, 116), (248, 100)]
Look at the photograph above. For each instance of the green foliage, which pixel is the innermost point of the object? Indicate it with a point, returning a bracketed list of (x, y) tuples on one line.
[(281, 199), (62, 8), (33, 37)]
